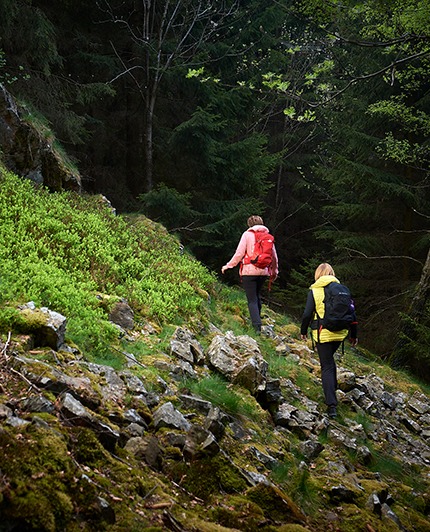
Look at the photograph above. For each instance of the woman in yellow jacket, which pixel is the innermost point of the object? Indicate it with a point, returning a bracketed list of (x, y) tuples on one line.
[(327, 342)]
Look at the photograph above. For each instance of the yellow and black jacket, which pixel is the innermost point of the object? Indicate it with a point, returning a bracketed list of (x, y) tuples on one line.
[(315, 308)]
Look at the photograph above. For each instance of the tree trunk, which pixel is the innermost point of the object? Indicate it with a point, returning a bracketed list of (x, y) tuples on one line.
[(134, 142), (148, 144)]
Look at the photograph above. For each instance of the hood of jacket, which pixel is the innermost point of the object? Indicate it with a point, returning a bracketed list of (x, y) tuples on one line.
[(324, 281), (262, 228)]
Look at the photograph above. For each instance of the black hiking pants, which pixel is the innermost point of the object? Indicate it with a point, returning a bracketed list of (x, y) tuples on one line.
[(326, 353), (252, 285)]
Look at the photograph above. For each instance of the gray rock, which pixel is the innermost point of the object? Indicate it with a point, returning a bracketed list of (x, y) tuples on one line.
[(5, 412), (284, 415), (199, 442), (16, 422), (364, 455), (104, 510), (167, 416), (38, 403), (240, 360), (346, 380), (388, 513), (27, 153), (134, 429), (184, 345), (268, 461), (132, 416), (147, 449), (113, 388), (389, 400), (182, 369), (76, 414), (134, 384), (418, 406), (47, 327), (216, 422), (311, 449), (122, 314), (342, 494), (195, 403)]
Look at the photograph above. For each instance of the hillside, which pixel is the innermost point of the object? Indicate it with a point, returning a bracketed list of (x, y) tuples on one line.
[(134, 396)]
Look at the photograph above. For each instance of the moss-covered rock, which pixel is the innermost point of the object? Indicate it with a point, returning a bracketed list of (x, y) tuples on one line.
[(36, 469), (275, 504), (207, 476)]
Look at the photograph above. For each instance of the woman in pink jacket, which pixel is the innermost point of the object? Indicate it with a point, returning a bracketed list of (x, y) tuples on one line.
[(252, 277)]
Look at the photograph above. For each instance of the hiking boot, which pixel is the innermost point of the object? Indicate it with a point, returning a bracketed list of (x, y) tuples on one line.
[(331, 411)]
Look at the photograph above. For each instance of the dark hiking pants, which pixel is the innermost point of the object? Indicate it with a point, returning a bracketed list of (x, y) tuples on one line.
[(252, 285), (326, 353)]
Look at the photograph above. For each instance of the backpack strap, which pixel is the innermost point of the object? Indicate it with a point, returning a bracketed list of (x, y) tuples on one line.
[(247, 258), (319, 325)]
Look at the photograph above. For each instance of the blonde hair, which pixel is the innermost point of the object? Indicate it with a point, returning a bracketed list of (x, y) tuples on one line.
[(323, 269), (255, 220)]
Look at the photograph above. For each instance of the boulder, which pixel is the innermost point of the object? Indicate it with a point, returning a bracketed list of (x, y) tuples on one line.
[(26, 151), (239, 359)]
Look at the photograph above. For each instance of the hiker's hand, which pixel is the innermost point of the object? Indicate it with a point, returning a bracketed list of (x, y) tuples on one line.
[(223, 269), (273, 277), (353, 341)]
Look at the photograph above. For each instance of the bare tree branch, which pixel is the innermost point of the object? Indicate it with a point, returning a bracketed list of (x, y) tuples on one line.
[(5, 347), (383, 257)]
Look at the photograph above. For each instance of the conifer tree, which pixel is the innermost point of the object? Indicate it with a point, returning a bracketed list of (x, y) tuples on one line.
[(374, 169)]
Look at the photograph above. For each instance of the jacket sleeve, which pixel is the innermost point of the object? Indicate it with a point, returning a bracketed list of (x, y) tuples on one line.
[(308, 313), (353, 330), (239, 253)]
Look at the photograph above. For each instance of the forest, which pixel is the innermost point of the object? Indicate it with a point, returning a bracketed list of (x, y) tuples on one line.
[(198, 113)]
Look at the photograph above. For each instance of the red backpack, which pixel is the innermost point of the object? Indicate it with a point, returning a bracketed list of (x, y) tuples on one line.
[(263, 250)]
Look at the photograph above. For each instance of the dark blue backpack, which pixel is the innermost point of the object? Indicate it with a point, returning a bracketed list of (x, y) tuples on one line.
[(339, 309)]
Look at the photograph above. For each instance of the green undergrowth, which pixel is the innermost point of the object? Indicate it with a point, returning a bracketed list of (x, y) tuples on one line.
[(70, 253), (231, 399)]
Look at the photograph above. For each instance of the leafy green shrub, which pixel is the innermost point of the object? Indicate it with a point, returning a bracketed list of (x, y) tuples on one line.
[(61, 250)]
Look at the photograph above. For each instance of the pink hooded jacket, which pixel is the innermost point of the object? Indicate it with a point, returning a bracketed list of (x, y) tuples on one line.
[(246, 248)]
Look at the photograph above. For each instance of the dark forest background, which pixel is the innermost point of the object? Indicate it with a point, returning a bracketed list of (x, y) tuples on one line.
[(199, 113)]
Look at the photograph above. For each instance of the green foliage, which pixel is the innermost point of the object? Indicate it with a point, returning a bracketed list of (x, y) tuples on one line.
[(62, 250), (370, 198), (229, 309), (7, 78), (171, 206), (304, 490), (387, 466), (222, 178), (281, 366), (414, 337)]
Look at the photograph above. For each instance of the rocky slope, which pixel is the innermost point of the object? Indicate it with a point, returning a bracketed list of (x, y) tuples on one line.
[(85, 446), (196, 429)]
